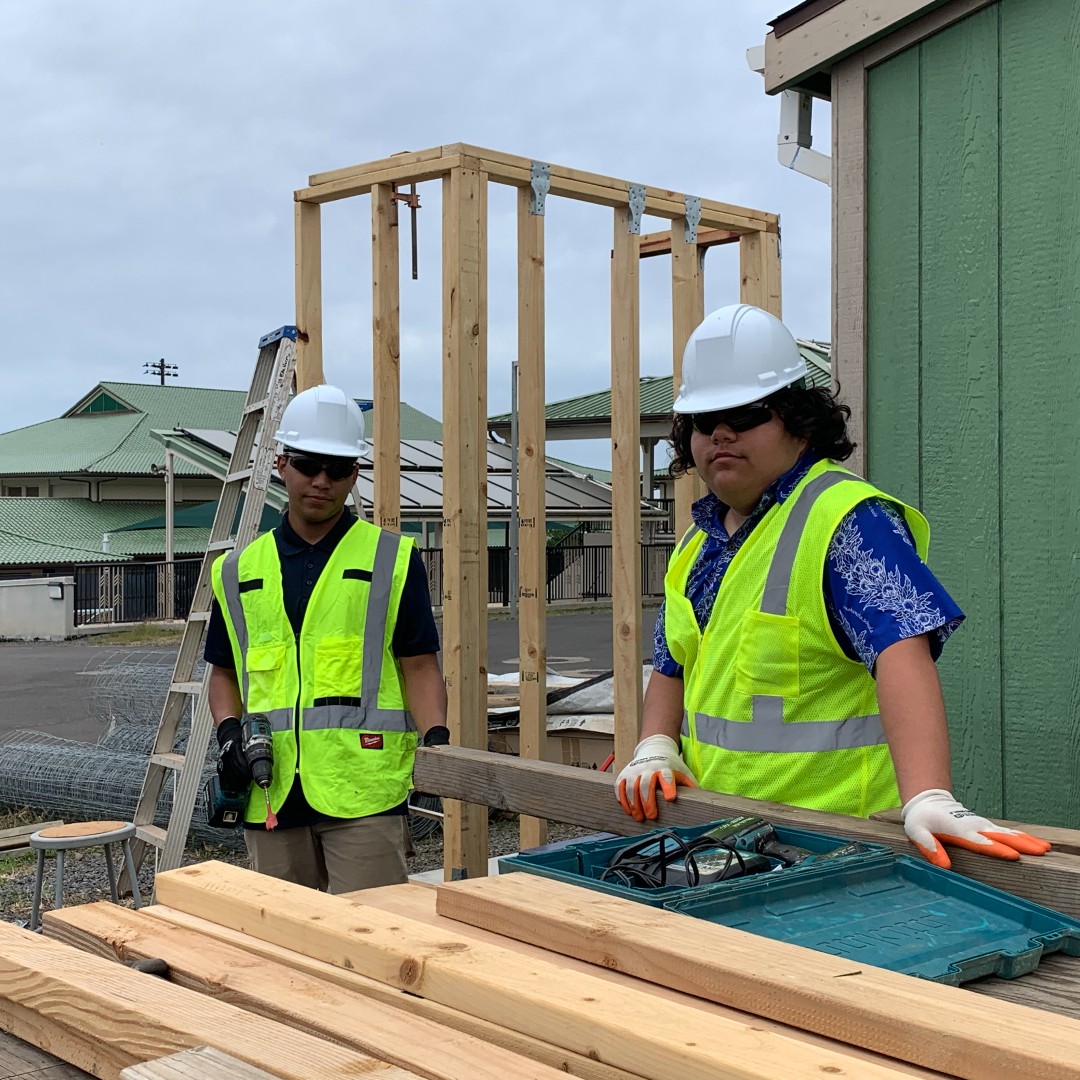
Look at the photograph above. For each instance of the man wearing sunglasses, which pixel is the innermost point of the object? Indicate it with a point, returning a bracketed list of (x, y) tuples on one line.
[(324, 625), (794, 656)]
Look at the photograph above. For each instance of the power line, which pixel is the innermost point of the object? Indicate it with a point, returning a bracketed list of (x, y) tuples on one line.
[(161, 369)]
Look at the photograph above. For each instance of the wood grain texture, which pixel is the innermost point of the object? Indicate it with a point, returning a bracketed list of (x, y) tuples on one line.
[(532, 511), (103, 1017), (1040, 425), (418, 902), (353, 982), (279, 992), (464, 510), (20, 1060), (626, 485), (626, 1028), (938, 1027), (308, 257), (587, 798), (386, 357), (201, 1063)]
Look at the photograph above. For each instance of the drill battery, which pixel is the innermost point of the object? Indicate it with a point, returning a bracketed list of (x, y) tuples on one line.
[(225, 809)]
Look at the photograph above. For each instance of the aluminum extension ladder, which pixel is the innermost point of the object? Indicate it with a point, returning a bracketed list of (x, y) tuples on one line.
[(249, 471)]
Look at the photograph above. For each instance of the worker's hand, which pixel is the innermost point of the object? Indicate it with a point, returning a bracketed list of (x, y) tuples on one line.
[(233, 769), (934, 817), (439, 735), (657, 761)]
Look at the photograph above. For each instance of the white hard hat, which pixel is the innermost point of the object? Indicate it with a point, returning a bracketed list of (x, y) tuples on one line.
[(738, 354), (323, 420)]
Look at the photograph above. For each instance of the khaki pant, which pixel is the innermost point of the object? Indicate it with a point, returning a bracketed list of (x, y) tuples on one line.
[(334, 856)]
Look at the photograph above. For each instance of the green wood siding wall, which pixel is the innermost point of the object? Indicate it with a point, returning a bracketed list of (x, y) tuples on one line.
[(973, 375)]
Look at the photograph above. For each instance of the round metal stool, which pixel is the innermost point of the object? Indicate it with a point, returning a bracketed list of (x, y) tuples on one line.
[(82, 834)]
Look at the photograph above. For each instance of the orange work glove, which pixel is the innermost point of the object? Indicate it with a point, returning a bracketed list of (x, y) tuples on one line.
[(934, 817), (657, 761)]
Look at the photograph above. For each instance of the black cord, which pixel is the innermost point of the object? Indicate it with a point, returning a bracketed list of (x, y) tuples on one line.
[(645, 864)]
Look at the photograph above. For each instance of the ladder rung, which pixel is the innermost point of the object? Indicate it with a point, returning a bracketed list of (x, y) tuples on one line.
[(256, 406), (240, 474), (168, 761), (186, 687), (221, 545), (151, 834), (198, 616)]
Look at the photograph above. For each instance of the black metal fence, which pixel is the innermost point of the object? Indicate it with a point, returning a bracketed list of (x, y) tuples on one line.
[(136, 592)]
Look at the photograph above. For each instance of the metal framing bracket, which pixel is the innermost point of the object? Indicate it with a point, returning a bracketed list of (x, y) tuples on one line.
[(693, 218), (637, 208), (540, 180)]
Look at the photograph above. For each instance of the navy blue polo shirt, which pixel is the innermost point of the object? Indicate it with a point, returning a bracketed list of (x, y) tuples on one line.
[(415, 632)]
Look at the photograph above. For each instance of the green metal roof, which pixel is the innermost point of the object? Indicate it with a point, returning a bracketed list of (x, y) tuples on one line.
[(201, 516), (89, 441), (66, 531), (414, 423), (656, 393)]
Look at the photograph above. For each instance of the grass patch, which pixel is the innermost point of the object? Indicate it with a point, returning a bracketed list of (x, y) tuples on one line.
[(143, 634)]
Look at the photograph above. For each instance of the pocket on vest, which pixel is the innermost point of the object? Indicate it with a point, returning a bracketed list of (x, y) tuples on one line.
[(338, 663), (266, 673), (767, 660)]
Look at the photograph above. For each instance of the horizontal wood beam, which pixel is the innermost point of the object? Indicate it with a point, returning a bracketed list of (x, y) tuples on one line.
[(392, 172), (409, 159), (278, 991), (586, 798), (659, 243), (937, 1027), (621, 1026)]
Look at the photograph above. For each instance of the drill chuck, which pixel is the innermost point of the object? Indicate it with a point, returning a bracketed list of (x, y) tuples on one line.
[(258, 741)]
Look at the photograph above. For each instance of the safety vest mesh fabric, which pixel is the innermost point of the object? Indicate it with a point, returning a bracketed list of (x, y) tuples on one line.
[(775, 710), (335, 697)]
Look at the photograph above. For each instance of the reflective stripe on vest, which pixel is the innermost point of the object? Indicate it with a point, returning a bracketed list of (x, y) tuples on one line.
[(326, 714)]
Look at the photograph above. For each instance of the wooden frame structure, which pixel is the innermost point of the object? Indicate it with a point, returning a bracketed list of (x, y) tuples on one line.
[(465, 172)]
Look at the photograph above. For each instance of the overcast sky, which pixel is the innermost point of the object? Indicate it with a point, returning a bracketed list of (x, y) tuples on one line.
[(152, 149)]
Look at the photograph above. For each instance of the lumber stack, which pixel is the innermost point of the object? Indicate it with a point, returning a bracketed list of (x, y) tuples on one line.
[(514, 976)]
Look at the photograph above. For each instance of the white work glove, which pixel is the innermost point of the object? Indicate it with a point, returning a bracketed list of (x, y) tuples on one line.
[(657, 761), (934, 815)]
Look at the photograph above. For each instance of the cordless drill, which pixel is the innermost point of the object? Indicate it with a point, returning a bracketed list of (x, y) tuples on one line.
[(225, 809)]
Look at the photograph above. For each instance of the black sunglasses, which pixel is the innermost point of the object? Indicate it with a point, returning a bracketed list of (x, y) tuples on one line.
[(335, 468), (739, 419)]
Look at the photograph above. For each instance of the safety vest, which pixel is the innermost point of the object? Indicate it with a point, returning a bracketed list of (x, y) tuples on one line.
[(774, 708), (335, 695)]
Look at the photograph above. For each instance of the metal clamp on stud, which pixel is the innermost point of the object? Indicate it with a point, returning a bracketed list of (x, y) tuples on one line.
[(637, 208), (693, 218), (540, 180)]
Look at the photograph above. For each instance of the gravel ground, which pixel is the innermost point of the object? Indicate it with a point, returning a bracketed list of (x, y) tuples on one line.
[(86, 879)]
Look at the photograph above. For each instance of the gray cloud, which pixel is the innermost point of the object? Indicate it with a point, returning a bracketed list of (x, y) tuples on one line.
[(152, 151)]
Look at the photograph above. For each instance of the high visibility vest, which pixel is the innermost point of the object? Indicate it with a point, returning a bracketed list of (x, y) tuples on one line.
[(774, 709), (335, 694)]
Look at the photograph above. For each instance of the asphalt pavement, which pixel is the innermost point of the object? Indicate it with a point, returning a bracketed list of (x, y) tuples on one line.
[(50, 687)]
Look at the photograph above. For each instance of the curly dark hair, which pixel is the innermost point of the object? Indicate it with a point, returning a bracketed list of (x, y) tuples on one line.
[(813, 414)]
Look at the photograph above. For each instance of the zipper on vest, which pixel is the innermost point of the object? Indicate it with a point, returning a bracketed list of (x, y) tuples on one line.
[(296, 707)]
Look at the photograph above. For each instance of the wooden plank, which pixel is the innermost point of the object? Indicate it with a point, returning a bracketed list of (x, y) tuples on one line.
[(202, 1063), (687, 311), (308, 230), (626, 485), (103, 1017), (629, 1029), (532, 511), (20, 1060), (406, 159), (836, 32), (418, 902), (938, 1027), (18, 836), (1053, 987), (659, 243), (849, 250), (279, 992), (587, 798), (389, 172), (534, 1049), (386, 357), (464, 510)]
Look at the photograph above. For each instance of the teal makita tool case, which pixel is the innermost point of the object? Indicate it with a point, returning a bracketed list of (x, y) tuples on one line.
[(860, 901)]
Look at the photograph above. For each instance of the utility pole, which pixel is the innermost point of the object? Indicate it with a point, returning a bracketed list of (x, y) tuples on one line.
[(161, 369)]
